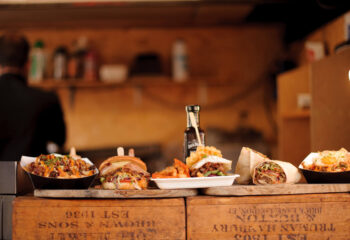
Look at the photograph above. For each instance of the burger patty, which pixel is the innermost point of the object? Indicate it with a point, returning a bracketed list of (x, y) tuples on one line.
[(131, 169), (128, 168), (114, 179), (198, 172), (128, 175)]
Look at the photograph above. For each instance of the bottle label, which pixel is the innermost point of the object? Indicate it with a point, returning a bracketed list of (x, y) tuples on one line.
[(192, 145), (59, 66)]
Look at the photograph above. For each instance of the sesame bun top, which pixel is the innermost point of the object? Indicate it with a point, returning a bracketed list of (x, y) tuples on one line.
[(114, 159)]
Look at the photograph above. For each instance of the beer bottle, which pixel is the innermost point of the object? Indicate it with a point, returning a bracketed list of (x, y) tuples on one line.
[(190, 141)]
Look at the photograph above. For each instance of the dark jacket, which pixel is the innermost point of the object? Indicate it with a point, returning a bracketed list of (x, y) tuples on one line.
[(29, 118)]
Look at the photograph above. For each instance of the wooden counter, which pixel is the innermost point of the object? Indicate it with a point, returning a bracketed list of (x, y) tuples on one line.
[(287, 217), (293, 217), (55, 219)]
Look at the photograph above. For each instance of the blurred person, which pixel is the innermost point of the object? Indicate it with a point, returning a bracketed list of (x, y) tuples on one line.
[(29, 118)]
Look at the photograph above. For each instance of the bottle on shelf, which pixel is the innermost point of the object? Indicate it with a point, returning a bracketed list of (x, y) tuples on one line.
[(37, 62), (76, 64), (60, 63), (190, 138), (179, 61), (90, 66)]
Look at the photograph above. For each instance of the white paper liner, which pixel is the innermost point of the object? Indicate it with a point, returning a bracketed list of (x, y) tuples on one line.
[(308, 161)]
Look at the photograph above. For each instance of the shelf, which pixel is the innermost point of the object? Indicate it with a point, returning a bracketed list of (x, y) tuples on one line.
[(154, 81), (56, 84), (121, 13), (139, 86), (98, 2), (298, 114)]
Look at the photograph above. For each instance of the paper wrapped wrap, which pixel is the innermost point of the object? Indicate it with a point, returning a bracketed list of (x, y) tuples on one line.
[(247, 160), (291, 172)]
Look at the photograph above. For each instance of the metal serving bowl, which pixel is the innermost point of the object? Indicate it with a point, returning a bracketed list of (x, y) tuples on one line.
[(323, 177), (326, 177), (40, 182)]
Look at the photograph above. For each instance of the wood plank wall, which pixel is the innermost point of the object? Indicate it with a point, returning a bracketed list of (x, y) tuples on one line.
[(294, 123), (331, 34), (108, 117), (330, 103)]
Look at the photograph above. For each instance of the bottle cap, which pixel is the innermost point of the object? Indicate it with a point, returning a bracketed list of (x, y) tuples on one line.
[(192, 108), (61, 50), (39, 44)]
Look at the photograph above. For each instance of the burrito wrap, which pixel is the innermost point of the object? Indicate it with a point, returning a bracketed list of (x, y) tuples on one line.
[(292, 174), (247, 160)]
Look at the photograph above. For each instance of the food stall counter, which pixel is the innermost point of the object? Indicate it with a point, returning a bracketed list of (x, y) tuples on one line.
[(297, 217), (107, 219)]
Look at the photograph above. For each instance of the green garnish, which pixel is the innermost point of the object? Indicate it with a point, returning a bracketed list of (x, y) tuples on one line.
[(216, 172), (49, 162), (102, 179), (220, 173)]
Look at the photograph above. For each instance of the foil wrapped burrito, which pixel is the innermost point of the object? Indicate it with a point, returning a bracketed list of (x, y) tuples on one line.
[(275, 172)]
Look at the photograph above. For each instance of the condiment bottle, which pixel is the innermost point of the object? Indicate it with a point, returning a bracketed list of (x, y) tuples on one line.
[(179, 61), (90, 66), (37, 62), (190, 140), (60, 63), (76, 64), (72, 66)]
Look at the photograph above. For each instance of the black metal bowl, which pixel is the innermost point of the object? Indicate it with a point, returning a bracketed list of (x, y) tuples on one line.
[(326, 177), (40, 182)]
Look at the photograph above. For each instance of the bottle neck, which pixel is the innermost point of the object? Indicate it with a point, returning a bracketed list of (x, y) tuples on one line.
[(196, 116)]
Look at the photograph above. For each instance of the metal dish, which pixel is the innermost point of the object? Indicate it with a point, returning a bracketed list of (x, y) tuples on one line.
[(323, 177), (326, 177), (40, 182)]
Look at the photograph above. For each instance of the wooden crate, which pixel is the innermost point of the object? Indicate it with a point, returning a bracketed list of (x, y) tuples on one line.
[(295, 217), (53, 219)]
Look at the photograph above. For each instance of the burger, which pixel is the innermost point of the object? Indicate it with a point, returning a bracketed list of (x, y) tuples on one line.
[(124, 172), (207, 162)]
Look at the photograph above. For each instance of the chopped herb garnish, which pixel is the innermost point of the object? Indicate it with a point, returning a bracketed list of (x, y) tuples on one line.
[(207, 174)]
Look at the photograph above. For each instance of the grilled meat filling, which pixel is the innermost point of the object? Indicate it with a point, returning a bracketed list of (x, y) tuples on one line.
[(56, 166), (128, 174), (269, 173), (208, 170)]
